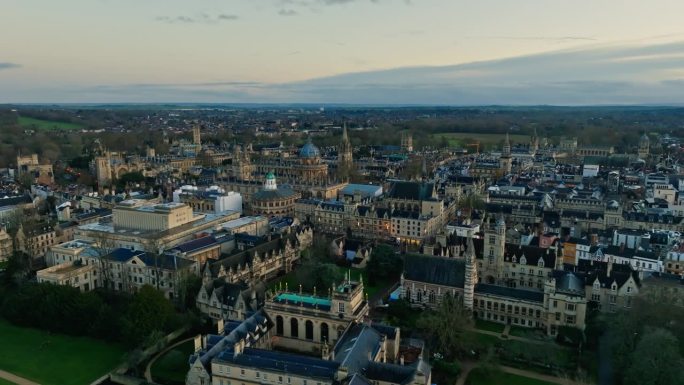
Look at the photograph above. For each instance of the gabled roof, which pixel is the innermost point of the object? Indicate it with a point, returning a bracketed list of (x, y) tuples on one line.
[(532, 255), (435, 270)]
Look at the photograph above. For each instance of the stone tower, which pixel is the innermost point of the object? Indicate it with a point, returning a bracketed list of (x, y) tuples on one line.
[(470, 273), (344, 154), (103, 170), (534, 142), (494, 248), (505, 161), (196, 135), (644, 146), (406, 142)]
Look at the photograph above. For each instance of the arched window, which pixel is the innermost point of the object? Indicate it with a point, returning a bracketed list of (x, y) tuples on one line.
[(419, 296), (432, 298), (294, 328), (308, 328), (408, 295), (324, 332), (279, 325)]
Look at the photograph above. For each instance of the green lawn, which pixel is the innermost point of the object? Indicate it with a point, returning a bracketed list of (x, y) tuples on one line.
[(5, 382), (485, 340), (533, 334), (489, 326), (487, 141), (479, 377), (41, 124), (54, 359), (171, 368)]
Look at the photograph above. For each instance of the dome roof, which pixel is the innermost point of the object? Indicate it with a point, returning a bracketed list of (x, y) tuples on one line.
[(309, 150), (270, 175), (644, 138)]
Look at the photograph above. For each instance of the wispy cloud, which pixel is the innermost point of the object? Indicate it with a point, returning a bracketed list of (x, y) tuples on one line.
[(557, 39), (202, 18), (7, 65), (288, 12)]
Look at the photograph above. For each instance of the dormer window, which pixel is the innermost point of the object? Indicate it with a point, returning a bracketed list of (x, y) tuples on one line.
[(541, 262)]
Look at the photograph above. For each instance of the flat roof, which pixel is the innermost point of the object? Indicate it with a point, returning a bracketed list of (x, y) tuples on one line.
[(304, 299)]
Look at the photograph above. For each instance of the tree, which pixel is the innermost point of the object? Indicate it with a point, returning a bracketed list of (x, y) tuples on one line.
[(656, 360), (149, 311), (104, 245), (446, 327), (384, 264)]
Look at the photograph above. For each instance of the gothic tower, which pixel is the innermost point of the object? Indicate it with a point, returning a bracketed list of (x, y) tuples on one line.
[(196, 135), (644, 146), (534, 142), (470, 273), (344, 154), (103, 170), (406, 142), (505, 161), (494, 247)]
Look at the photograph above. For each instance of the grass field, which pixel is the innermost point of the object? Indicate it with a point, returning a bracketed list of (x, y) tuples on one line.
[(53, 359), (41, 124), (171, 368), (460, 139), (5, 382), (479, 377), (489, 326)]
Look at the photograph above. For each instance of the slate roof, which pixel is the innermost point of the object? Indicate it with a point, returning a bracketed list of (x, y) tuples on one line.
[(15, 200), (435, 270), (164, 261), (620, 273), (630, 253), (357, 344), (392, 373), (282, 362), (532, 255), (501, 291), (227, 293), (416, 191), (196, 244)]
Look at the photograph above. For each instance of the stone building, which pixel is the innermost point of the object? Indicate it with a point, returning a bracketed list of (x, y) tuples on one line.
[(75, 274), (306, 322), (500, 282), (39, 173), (274, 200)]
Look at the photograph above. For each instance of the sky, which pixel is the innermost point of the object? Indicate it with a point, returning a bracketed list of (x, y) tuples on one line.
[(460, 52)]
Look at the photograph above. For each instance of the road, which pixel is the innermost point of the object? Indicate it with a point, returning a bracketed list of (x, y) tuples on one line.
[(16, 379)]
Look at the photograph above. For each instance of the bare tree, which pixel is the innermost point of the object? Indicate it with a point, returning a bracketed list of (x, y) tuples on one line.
[(104, 245)]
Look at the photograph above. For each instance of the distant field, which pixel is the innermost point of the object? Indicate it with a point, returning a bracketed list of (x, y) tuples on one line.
[(55, 359), (41, 124), (460, 139)]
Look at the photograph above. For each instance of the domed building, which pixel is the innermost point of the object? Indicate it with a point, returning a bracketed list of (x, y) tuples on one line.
[(310, 167), (273, 200)]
